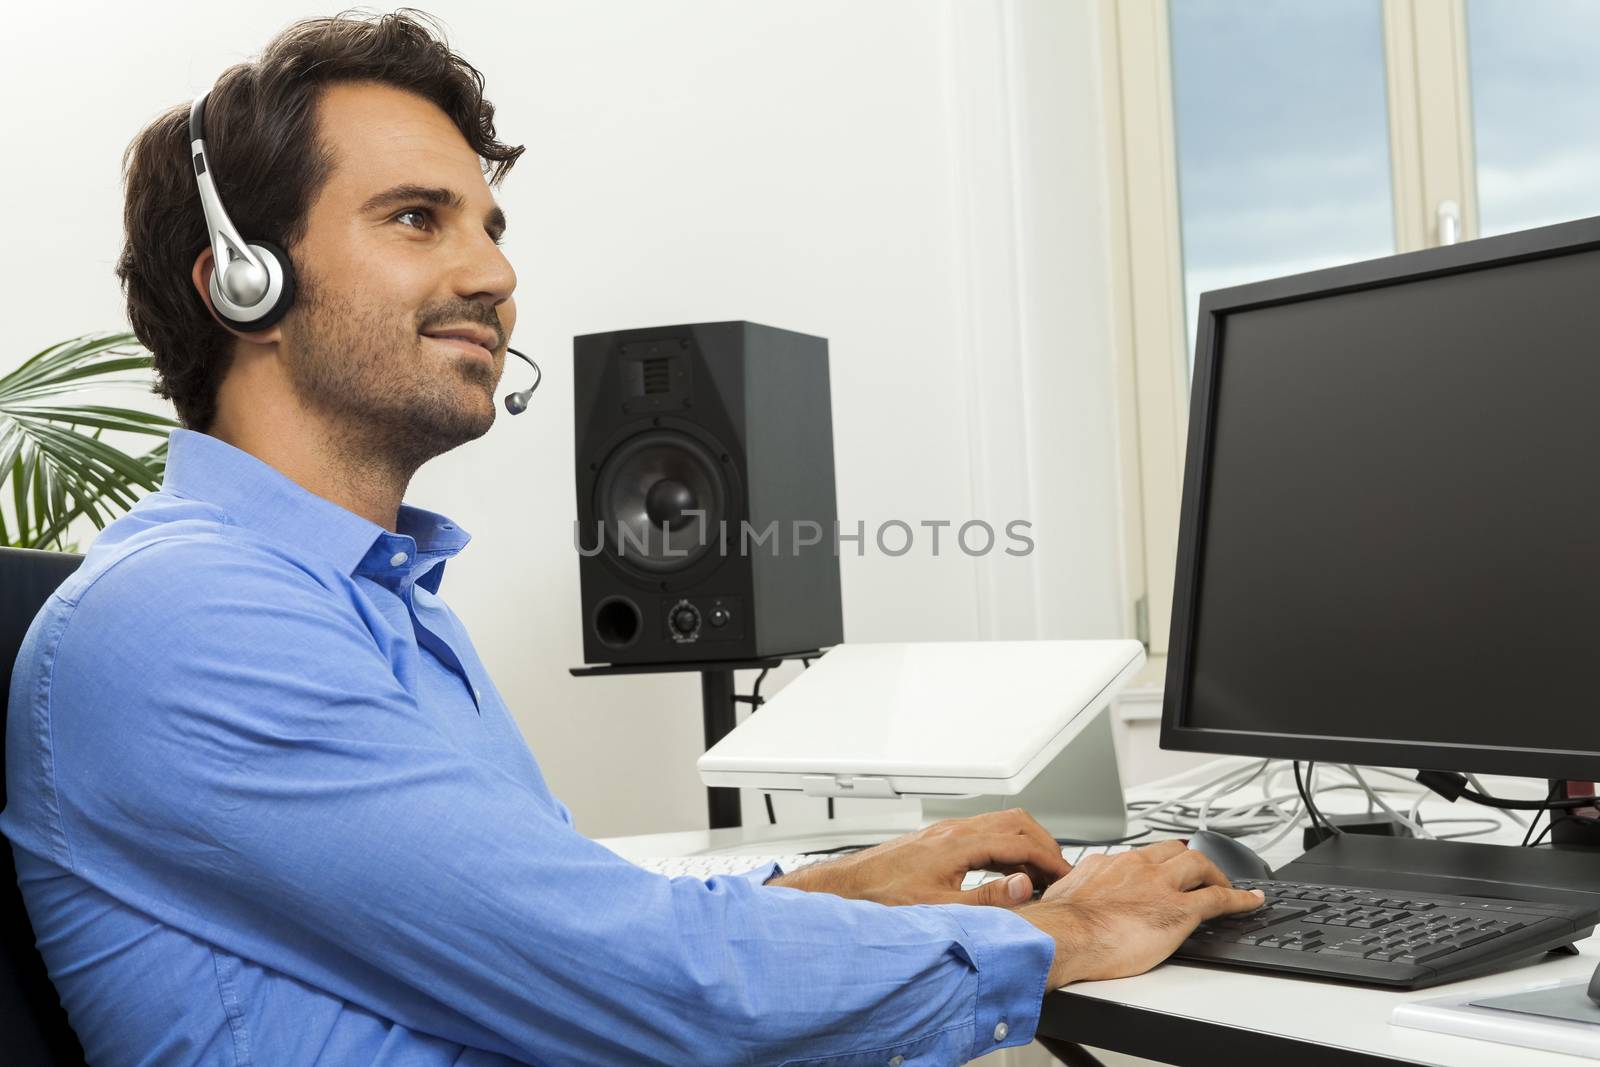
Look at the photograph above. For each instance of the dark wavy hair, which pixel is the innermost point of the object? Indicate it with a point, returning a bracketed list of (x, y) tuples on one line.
[(261, 126)]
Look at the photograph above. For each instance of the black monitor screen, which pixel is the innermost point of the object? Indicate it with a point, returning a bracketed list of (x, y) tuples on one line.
[(1398, 538)]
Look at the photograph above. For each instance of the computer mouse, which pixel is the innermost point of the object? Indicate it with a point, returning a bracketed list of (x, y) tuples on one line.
[(1594, 986), (1233, 859)]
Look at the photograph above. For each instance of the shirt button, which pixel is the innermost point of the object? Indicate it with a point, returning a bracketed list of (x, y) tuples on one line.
[(1000, 1031), (477, 693), (397, 559), (897, 1061)]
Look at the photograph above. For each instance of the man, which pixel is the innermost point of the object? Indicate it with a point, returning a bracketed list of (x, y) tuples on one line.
[(266, 804)]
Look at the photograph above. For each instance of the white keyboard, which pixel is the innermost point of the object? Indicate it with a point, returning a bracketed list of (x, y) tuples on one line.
[(707, 866)]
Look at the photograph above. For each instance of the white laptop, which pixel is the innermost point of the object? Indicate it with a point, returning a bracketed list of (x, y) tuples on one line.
[(933, 719)]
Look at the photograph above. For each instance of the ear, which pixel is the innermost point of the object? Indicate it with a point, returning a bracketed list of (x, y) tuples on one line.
[(201, 275)]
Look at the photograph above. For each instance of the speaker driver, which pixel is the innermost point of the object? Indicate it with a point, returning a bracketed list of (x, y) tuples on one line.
[(660, 497)]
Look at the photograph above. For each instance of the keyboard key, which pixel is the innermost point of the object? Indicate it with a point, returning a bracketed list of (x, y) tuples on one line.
[(1352, 951), (1470, 938)]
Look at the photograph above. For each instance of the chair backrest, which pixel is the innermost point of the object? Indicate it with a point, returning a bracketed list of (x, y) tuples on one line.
[(34, 1024)]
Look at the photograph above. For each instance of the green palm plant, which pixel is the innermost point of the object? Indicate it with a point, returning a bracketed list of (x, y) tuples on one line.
[(51, 451)]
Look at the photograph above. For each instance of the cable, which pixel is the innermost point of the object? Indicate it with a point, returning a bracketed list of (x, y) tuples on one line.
[(1205, 808), (1557, 818), (1550, 803), (1278, 812), (1479, 787), (1551, 795), (1374, 798), (1150, 809), (1317, 819), (755, 700)]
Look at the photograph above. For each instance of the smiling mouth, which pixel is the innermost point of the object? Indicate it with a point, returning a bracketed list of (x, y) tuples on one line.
[(464, 346)]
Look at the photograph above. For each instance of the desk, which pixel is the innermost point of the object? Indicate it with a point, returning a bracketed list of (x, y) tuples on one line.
[(1190, 1014)]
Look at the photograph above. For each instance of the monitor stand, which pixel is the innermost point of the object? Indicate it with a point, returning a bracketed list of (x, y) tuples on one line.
[(1077, 796), (1560, 874)]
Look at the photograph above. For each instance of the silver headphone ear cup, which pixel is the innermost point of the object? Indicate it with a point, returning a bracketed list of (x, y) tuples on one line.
[(277, 300)]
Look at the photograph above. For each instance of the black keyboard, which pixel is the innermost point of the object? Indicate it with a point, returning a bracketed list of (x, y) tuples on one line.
[(1386, 937)]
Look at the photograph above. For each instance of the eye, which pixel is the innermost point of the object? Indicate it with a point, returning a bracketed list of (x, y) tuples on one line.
[(427, 213), (420, 211)]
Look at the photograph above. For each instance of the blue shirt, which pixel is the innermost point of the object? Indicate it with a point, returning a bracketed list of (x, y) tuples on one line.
[(268, 808)]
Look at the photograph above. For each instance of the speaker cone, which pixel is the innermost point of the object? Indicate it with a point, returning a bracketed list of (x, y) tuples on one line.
[(660, 498)]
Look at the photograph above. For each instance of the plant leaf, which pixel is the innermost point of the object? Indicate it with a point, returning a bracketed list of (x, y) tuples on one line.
[(58, 472)]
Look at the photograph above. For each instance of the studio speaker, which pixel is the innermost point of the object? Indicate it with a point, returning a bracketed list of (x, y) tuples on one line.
[(706, 505)]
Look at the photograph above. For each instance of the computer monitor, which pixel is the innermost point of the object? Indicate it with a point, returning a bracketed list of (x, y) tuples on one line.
[(1389, 544)]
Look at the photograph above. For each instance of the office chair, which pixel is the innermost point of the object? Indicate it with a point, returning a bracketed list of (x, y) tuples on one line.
[(33, 1024)]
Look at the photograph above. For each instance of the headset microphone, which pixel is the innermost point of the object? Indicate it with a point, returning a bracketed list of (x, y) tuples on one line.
[(252, 282), (517, 403)]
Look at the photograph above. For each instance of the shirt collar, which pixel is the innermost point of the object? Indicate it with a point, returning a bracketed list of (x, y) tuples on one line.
[(259, 497)]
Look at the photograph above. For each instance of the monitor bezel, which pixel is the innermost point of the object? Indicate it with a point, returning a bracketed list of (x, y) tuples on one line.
[(1542, 243)]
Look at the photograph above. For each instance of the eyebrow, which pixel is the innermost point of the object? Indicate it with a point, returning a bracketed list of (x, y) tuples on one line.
[(494, 222)]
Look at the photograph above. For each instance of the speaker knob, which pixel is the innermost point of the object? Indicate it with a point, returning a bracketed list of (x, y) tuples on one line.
[(684, 619)]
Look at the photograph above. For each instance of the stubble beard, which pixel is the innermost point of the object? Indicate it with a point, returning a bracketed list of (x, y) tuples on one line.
[(388, 401)]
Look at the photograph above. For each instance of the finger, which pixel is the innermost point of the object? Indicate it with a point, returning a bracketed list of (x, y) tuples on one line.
[(1018, 821), (1190, 870), (1215, 900), (990, 850), (1093, 861), (1024, 823), (1162, 851), (1009, 892)]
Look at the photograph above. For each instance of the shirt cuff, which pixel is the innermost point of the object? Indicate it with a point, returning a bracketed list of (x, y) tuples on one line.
[(761, 875), (1011, 958)]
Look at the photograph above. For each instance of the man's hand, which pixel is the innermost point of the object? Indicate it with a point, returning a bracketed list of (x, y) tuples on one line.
[(1115, 916), (926, 866)]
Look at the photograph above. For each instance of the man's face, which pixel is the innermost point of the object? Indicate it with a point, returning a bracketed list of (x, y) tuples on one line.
[(380, 268)]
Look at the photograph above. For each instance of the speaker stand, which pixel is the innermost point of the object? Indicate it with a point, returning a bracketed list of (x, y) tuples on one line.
[(716, 710)]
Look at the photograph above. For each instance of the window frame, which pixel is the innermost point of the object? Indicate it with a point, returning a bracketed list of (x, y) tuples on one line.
[(1432, 162)]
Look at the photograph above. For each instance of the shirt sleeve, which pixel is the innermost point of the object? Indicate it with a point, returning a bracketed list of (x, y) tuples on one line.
[(235, 757)]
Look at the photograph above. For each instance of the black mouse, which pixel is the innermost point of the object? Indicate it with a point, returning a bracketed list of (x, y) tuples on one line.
[(1237, 861), (1594, 986)]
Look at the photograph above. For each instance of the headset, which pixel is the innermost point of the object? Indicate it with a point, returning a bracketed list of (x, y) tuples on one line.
[(252, 282)]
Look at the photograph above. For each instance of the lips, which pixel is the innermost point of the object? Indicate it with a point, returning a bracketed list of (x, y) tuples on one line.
[(469, 348), (480, 336)]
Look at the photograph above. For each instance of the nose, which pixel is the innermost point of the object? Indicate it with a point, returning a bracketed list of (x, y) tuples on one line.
[(484, 273)]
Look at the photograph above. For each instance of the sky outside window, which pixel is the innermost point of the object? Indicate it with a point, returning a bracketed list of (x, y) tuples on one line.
[(1535, 93), (1282, 129)]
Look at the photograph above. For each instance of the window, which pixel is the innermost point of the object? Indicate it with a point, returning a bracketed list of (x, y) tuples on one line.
[(1534, 86), (1256, 138), (1282, 128)]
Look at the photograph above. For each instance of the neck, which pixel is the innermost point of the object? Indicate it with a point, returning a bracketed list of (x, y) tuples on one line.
[(322, 457)]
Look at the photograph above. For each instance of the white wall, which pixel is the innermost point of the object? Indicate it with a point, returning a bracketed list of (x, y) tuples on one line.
[(920, 181)]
